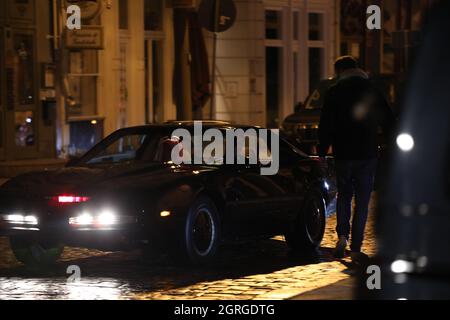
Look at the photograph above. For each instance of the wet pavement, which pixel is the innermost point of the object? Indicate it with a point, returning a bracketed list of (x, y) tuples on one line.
[(258, 270)]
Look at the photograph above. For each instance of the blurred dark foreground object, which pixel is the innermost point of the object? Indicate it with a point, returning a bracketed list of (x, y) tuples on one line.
[(414, 215)]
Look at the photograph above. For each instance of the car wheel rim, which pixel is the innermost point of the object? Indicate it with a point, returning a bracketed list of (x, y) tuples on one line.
[(203, 232), (314, 222)]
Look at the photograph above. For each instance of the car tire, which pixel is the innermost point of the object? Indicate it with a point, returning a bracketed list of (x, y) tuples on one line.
[(307, 233), (201, 232), (34, 253)]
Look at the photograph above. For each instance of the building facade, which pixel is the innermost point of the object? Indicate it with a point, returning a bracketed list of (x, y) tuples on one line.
[(27, 108), (268, 61), (60, 91)]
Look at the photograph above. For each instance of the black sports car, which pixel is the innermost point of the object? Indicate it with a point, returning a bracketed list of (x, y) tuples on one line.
[(126, 192)]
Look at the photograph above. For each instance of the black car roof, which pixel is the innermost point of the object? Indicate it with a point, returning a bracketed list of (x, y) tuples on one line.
[(190, 125)]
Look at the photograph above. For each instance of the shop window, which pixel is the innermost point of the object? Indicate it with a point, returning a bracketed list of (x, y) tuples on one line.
[(316, 26), (273, 24), (24, 64), (24, 128), (82, 83), (153, 13)]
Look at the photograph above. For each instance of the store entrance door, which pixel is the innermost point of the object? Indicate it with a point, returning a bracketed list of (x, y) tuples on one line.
[(19, 111)]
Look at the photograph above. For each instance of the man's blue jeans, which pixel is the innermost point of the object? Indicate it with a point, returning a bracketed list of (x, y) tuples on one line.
[(354, 178)]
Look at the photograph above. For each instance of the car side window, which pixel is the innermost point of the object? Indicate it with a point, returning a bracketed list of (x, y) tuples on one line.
[(122, 149)]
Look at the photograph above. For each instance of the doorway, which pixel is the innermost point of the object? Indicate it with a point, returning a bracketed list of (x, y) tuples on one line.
[(18, 112)]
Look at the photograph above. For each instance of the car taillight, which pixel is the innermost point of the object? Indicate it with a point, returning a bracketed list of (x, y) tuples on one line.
[(71, 199)]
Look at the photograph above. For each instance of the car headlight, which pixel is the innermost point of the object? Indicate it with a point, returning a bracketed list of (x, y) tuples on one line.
[(82, 220), (107, 218), (20, 219), (103, 218)]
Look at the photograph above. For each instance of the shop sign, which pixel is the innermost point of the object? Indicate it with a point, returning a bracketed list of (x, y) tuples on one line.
[(88, 37)]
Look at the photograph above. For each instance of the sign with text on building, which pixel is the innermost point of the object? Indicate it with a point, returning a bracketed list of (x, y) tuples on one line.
[(88, 37)]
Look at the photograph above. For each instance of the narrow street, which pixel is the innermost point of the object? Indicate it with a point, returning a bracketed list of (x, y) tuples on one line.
[(260, 270)]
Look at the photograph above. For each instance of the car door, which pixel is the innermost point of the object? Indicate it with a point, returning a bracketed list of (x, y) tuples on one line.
[(250, 198), (291, 185)]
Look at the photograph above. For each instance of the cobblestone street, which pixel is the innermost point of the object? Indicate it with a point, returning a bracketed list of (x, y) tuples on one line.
[(259, 270)]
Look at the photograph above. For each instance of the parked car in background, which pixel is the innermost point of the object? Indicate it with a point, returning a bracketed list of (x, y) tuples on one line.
[(302, 127)]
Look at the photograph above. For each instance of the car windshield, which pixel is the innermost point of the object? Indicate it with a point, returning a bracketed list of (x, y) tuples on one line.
[(149, 146), (129, 146)]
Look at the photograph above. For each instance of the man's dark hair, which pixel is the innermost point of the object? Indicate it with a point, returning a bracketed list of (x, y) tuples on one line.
[(345, 63)]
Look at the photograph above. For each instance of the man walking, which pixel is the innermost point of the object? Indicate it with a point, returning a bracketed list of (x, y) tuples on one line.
[(353, 112)]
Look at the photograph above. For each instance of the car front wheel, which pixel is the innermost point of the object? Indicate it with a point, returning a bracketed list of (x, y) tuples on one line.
[(202, 231), (35, 253)]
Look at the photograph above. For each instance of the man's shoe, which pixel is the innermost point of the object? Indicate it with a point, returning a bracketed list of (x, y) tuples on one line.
[(341, 245)]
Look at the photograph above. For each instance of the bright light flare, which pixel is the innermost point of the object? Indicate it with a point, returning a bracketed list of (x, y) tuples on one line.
[(82, 220), (22, 220), (106, 218), (165, 214), (405, 142), (402, 266)]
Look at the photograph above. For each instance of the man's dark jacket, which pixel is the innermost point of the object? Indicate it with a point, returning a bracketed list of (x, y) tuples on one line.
[(353, 112)]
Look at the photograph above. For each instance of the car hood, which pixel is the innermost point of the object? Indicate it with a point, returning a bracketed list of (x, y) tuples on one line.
[(94, 180)]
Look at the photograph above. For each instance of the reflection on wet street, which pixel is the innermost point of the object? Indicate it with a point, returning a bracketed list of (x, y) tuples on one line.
[(259, 270)]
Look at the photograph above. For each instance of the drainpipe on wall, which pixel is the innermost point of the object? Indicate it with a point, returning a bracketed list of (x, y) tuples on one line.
[(182, 73)]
